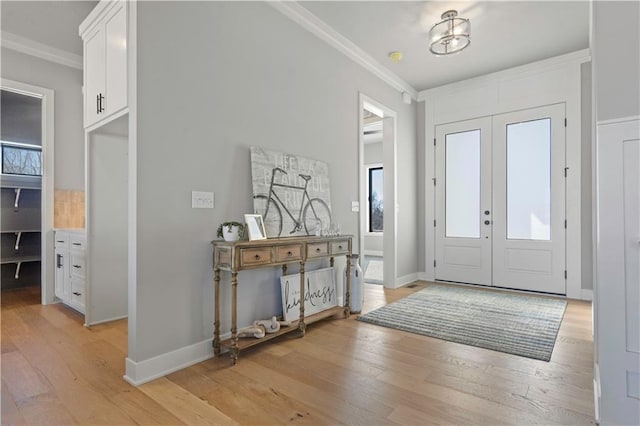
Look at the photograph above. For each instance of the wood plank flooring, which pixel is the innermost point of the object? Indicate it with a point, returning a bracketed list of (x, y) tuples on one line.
[(57, 372)]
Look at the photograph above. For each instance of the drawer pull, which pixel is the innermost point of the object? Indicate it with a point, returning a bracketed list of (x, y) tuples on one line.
[(76, 244), (318, 250), (59, 241), (77, 294), (77, 266), (289, 254), (257, 257), (339, 247)]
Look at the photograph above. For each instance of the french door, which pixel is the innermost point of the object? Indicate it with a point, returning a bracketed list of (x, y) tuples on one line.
[(500, 200)]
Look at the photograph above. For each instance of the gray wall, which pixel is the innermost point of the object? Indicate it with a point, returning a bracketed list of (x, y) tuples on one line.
[(586, 181), (69, 135), (616, 58), (214, 79), (421, 192)]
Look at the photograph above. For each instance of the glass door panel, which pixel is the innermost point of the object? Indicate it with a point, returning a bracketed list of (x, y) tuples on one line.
[(529, 180), (462, 185)]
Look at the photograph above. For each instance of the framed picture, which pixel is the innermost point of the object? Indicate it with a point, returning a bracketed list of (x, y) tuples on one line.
[(320, 293), (255, 227)]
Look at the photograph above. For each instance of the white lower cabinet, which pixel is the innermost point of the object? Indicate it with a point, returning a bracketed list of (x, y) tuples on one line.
[(70, 277)]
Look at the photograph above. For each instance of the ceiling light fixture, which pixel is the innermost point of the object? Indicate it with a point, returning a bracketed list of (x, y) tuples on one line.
[(450, 35)]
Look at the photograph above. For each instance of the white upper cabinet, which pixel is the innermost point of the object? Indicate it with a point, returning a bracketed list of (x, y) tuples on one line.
[(104, 34)]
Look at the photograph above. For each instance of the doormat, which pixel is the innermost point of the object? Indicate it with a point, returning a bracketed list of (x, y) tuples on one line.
[(505, 322)]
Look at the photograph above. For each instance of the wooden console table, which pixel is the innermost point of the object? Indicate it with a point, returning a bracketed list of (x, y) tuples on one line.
[(241, 255)]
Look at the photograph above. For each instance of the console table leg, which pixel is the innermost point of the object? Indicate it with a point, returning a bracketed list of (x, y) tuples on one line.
[(216, 322), (234, 318), (302, 326)]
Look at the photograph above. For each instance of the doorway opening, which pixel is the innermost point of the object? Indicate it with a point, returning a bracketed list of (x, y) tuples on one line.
[(26, 185), (377, 191)]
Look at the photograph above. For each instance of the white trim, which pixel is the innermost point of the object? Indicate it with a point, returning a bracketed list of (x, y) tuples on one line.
[(422, 276), (138, 373), (39, 50), (47, 188), (577, 57), (407, 279), (323, 31), (106, 320), (378, 253), (618, 120), (586, 294)]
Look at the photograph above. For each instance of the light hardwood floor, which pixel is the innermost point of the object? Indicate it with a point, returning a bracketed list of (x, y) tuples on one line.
[(57, 372)]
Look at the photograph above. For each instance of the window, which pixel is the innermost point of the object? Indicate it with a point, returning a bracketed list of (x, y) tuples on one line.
[(375, 198), (21, 159)]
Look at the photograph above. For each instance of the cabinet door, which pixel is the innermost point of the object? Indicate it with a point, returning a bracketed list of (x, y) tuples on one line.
[(115, 29), (62, 284), (94, 71)]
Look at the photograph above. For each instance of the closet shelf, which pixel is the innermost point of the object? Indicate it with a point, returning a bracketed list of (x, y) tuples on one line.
[(19, 259)]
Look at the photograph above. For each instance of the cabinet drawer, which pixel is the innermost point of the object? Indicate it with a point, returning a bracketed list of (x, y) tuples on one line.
[(340, 247), (224, 257), (317, 249), (78, 266), (78, 242), (62, 240), (290, 252), (255, 256), (77, 290)]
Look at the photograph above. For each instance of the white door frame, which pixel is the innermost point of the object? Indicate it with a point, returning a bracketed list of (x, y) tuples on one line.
[(47, 189), (390, 185)]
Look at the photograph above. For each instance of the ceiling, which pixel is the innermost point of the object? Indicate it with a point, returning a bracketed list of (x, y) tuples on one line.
[(54, 23), (504, 34)]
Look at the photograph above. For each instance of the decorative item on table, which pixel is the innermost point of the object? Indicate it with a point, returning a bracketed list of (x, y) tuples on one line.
[(290, 192), (255, 227), (261, 328), (320, 293), (230, 231), (356, 290)]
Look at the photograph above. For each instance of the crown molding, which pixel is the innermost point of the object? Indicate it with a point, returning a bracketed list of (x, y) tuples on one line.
[(322, 30), (39, 50)]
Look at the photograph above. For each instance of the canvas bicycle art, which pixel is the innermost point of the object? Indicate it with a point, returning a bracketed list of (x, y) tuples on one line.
[(290, 192)]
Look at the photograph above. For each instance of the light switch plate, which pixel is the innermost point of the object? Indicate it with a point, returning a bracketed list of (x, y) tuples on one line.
[(201, 200), (355, 206)]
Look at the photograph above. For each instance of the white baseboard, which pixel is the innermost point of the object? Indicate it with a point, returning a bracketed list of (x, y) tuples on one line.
[(138, 373), (378, 253), (422, 276), (597, 393), (107, 320), (407, 279), (586, 295)]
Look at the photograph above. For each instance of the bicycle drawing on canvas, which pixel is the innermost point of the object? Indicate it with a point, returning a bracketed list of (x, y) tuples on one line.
[(313, 212)]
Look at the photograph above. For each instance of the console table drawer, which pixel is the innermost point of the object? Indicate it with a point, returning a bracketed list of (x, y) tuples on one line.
[(255, 256), (340, 247), (317, 249), (286, 253)]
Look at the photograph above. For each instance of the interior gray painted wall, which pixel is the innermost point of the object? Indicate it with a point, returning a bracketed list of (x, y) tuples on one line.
[(21, 119), (420, 193), (214, 79), (586, 183), (69, 135), (617, 61)]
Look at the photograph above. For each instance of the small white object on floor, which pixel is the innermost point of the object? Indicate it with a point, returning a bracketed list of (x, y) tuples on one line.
[(271, 325)]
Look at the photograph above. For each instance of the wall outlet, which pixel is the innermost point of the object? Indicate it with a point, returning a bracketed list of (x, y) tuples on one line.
[(355, 206), (201, 200)]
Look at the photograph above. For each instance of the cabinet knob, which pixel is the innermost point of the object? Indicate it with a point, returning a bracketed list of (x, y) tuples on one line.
[(340, 247), (289, 254), (318, 250)]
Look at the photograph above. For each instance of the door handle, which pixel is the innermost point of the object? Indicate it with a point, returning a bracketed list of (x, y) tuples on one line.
[(58, 261)]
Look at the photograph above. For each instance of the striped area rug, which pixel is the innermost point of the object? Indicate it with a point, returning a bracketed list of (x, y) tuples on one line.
[(506, 322)]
